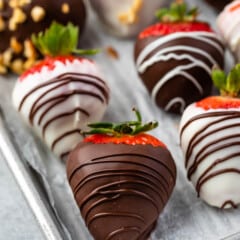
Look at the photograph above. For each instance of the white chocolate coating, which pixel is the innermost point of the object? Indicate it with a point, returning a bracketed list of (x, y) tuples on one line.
[(228, 23), (110, 12), (59, 103), (210, 140)]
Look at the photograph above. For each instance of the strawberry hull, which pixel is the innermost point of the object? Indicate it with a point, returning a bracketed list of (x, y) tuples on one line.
[(121, 189), (59, 101), (210, 140), (176, 67)]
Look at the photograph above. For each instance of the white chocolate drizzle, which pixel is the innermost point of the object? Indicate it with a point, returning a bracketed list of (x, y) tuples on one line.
[(155, 53)]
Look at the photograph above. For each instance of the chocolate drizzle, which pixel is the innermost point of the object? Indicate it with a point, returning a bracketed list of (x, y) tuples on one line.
[(121, 189), (60, 107), (213, 152), (176, 68), (229, 202)]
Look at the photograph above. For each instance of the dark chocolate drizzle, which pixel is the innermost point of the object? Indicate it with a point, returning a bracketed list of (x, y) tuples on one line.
[(212, 146), (121, 189), (66, 134), (50, 99), (229, 202), (63, 79)]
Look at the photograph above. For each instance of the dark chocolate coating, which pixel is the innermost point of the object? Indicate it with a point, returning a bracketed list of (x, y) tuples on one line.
[(179, 86), (219, 4), (53, 12), (121, 189)]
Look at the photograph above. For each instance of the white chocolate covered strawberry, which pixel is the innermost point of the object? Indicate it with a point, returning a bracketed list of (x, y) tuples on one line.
[(210, 140), (60, 95), (228, 24)]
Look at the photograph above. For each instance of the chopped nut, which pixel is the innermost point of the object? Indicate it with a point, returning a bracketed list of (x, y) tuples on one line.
[(112, 52), (29, 50), (17, 66), (15, 45), (18, 17), (1, 4), (38, 13), (2, 24), (65, 8), (29, 63), (14, 3), (18, 3), (24, 2), (131, 16), (7, 57), (3, 69)]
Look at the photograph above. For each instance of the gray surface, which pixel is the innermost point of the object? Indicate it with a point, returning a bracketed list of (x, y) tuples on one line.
[(16, 219), (184, 218)]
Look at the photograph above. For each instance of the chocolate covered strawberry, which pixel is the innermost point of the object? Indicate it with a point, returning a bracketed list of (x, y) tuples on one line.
[(174, 57), (63, 92), (210, 140), (121, 178)]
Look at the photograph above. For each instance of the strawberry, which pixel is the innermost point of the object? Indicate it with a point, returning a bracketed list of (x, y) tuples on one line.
[(121, 178), (174, 57), (210, 140), (19, 19), (228, 25), (62, 93)]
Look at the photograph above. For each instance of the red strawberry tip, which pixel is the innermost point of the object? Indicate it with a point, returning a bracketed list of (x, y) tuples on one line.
[(161, 29), (128, 132), (139, 139)]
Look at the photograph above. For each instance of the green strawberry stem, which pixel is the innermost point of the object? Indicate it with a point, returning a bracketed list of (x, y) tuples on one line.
[(228, 85), (59, 40), (178, 12), (124, 128)]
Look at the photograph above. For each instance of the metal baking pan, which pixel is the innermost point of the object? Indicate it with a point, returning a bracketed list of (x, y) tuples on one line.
[(42, 177)]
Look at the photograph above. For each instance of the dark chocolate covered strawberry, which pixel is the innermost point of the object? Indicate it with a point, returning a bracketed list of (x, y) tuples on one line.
[(19, 19), (62, 93), (210, 140), (174, 57), (121, 178)]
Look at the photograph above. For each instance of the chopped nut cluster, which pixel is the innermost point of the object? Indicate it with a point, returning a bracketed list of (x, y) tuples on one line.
[(21, 55), (18, 17), (38, 13), (8, 58), (18, 65)]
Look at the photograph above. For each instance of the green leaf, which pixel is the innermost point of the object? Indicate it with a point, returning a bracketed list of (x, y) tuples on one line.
[(145, 128), (161, 13), (219, 79), (101, 125), (100, 131), (233, 81), (123, 128), (178, 12), (59, 39), (86, 51)]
